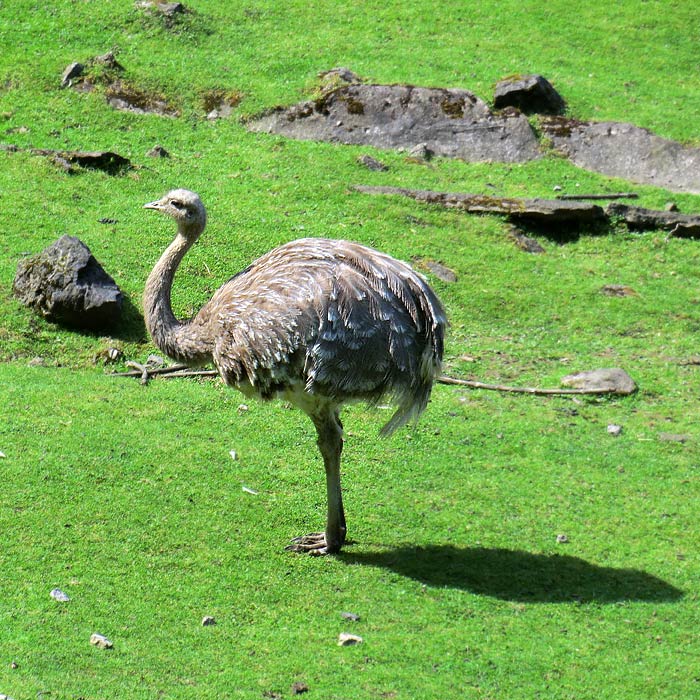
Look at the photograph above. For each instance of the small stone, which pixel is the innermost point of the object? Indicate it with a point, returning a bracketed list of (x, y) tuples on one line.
[(59, 595), (170, 8), (440, 271), (233, 454), (611, 379), (299, 687), (345, 639), (673, 437), (372, 163), (618, 290), (14, 665), (529, 245), (158, 152), (2, 455), (101, 642), (421, 151), (354, 617), (109, 61), (208, 621), (614, 430), (562, 539), (340, 74), (671, 206), (528, 93), (74, 70)]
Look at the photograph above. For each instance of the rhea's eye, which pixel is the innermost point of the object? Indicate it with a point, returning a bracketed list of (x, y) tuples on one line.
[(177, 204)]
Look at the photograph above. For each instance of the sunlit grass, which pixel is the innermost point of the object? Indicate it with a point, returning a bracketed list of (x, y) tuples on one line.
[(126, 497)]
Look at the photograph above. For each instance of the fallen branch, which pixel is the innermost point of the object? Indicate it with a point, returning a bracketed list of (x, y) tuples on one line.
[(147, 373), (613, 195), (521, 389), (183, 371)]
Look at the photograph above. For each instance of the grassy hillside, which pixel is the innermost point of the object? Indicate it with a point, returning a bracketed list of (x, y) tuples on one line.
[(126, 497)]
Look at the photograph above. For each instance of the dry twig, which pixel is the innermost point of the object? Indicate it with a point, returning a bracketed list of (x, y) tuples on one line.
[(183, 371)]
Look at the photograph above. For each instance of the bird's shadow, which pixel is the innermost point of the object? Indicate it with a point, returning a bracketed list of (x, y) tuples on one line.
[(518, 576)]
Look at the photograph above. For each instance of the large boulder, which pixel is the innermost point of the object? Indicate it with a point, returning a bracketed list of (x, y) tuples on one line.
[(447, 122), (65, 284)]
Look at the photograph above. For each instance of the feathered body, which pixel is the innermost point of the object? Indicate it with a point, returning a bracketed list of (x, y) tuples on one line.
[(319, 322)]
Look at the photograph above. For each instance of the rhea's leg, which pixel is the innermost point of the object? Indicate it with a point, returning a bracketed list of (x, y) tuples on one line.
[(330, 444)]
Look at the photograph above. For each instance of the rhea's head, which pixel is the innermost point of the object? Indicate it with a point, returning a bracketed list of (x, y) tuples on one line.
[(186, 208)]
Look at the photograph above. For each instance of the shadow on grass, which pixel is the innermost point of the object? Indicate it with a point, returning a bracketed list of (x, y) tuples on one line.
[(518, 576)]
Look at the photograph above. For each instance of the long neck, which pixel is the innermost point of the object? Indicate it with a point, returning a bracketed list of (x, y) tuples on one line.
[(170, 335)]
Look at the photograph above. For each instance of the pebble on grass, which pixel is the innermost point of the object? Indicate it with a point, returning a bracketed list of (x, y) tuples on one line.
[(345, 639), (100, 641), (59, 595)]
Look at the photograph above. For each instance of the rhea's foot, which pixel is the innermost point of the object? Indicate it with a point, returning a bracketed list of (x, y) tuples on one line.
[(313, 543)]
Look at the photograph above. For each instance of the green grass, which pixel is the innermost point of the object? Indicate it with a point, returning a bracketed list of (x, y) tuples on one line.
[(126, 497)]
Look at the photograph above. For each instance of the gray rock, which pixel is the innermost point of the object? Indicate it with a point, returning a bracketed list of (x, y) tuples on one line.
[(158, 152), (65, 284), (612, 379), (345, 639), (339, 74), (421, 152), (440, 271), (59, 595), (639, 218), (73, 71), (168, 9), (108, 60), (372, 163), (531, 94), (627, 151), (100, 641), (673, 437), (450, 122)]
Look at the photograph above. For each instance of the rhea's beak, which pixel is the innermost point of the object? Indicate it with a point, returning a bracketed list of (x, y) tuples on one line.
[(153, 205)]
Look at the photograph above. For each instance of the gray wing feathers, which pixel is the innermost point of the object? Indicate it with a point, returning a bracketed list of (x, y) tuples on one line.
[(346, 321)]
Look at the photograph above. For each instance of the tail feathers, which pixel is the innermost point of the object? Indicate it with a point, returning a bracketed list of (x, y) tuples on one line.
[(411, 405)]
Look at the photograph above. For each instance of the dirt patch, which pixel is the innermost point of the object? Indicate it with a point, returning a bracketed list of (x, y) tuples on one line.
[(129, 98), (72, 162), (220, 103)]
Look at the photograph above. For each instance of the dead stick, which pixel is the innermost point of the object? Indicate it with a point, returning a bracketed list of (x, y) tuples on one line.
[(520, 389), (614, 195), (192, 373), (182, 371)]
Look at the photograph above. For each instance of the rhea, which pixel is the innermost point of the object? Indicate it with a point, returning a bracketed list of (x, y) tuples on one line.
[(316, 322)]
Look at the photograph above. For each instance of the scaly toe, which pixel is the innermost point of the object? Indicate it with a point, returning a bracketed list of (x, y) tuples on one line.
[(313, 543)]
